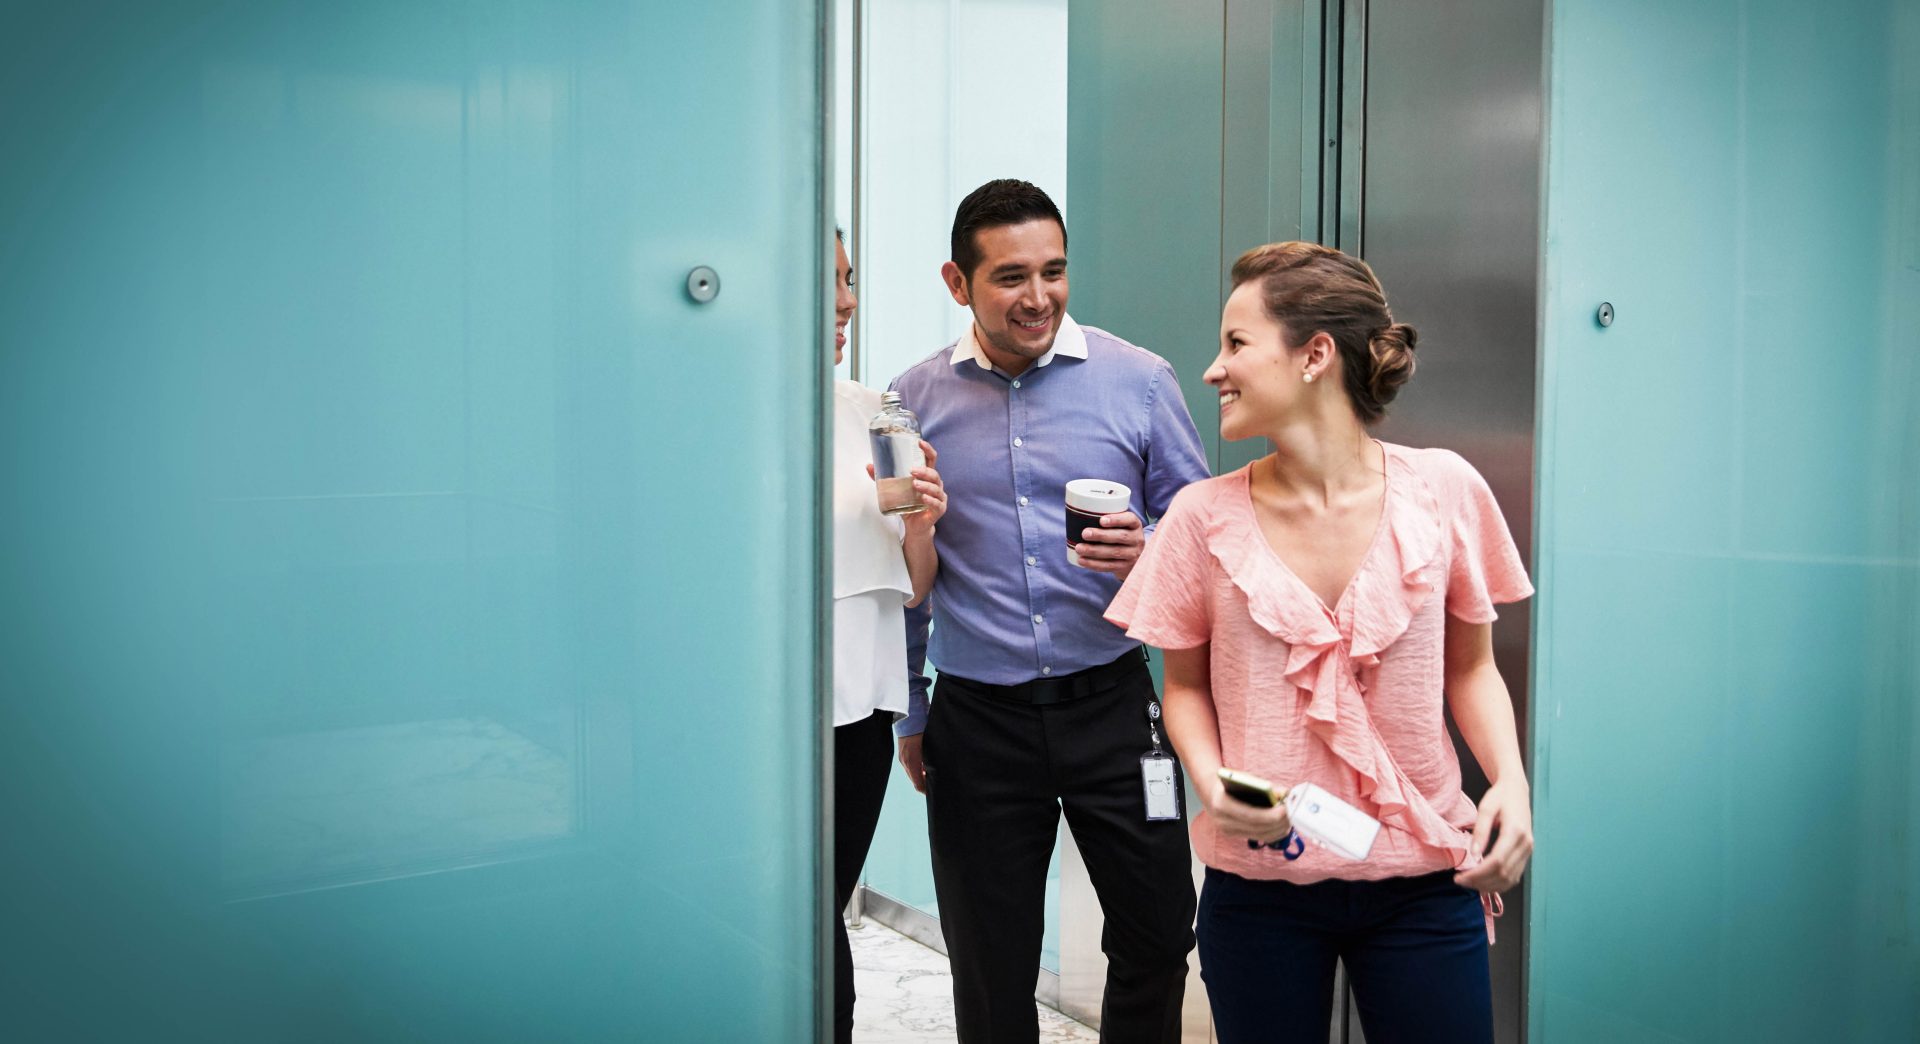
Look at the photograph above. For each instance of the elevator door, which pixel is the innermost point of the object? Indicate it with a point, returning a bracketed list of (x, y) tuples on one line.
[(410, 587), (1447, 215), (1408, 133)]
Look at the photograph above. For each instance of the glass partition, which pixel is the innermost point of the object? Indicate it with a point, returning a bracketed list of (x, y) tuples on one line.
[(399, 644), (1729, 525)]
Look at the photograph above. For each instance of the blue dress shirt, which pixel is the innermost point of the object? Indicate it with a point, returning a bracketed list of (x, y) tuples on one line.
[(1008, 606)]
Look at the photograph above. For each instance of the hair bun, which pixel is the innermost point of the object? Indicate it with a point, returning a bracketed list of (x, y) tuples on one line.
[(1392, 350)]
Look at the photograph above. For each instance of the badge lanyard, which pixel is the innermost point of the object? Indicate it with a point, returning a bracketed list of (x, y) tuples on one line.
[(1157, 777), (1290, 846)]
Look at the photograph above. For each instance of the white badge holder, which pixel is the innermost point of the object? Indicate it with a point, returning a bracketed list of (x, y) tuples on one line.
[(1331, 821), (1158, 779)]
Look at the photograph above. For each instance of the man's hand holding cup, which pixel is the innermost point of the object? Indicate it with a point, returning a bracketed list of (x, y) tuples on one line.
[(1103, 533)]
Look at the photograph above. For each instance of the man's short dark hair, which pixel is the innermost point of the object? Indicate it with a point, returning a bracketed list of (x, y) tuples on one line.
[(1006, 201)]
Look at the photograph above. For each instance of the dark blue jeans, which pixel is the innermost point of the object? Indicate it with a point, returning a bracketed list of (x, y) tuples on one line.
[(1415, 950)]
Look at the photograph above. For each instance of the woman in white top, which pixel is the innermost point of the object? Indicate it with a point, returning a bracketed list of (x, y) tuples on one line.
[(881, 565)]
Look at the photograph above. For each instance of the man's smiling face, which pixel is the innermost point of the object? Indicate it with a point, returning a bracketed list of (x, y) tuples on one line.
[(1018, 292)]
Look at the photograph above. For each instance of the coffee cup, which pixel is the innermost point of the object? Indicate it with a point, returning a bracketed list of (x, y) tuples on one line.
[(1087, 501)]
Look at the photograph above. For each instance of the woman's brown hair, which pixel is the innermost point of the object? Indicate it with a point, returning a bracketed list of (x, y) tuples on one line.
[(1308, 288)]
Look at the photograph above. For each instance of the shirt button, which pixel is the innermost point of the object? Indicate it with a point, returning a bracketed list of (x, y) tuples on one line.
[(1016, 442), (1016, 384), (1046, 670), (1032, 560), (1037, 618), (1023, 501)]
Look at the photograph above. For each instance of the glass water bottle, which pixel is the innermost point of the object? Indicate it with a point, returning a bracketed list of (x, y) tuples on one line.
[(895, 433)]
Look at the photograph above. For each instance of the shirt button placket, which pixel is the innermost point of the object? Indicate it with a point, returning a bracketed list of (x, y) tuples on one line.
[(1016, 420)]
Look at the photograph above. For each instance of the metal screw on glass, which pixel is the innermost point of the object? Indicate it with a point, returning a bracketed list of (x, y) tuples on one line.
[(703, 284), (1605, 315)]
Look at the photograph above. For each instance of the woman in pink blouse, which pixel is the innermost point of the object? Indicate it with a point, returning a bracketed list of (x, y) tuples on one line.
[(1320, 610)]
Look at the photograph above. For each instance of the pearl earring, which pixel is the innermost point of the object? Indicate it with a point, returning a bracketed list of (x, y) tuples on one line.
[(1308, 377)]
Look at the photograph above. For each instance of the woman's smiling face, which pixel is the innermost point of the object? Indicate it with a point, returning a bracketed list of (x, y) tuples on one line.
[(843, 300), (1258, 385)]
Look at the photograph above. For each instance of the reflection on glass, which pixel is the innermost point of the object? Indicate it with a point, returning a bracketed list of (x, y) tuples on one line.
[(324, 808)]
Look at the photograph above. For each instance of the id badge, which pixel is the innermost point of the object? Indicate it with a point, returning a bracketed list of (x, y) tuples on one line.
[(1161, 785)]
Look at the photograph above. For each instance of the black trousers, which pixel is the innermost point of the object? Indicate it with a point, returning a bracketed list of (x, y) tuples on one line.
[(862, 758), (999, 773)]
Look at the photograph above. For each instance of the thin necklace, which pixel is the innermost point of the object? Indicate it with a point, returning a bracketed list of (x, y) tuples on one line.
[(1273, 462)]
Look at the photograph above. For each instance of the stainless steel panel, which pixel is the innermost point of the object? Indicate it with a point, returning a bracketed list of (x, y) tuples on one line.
[(1453, 153), (1352, 40), (1325, 17), (905, 918)]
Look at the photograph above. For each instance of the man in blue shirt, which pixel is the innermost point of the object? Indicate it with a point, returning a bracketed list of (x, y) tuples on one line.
[(1042, 705)]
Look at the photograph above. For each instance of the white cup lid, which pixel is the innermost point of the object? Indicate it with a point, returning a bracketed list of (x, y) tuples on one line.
[(1098, 496)]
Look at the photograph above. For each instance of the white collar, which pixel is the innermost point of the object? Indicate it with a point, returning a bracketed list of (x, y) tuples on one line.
[(1070, 341)]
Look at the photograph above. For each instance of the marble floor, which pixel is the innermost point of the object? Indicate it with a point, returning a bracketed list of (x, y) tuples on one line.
[(906, 993)]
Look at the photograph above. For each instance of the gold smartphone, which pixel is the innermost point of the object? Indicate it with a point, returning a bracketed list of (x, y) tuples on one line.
[(1244, 786)]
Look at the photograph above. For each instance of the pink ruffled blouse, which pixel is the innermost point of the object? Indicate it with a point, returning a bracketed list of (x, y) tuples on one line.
[(1349, 698)]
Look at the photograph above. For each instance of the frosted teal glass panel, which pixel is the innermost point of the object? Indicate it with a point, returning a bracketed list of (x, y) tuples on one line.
[(1729, 542), (409, 594)]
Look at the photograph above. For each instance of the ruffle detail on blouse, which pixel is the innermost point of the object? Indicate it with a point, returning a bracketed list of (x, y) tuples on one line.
[(1403, 567)]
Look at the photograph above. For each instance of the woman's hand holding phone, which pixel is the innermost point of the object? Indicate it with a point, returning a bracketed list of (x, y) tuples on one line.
[(1240, 817)]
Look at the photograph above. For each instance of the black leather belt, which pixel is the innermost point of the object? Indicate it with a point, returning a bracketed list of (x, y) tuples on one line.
[(1078, 685)]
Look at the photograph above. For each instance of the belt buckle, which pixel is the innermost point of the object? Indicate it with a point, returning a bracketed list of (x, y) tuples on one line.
[(1042, 692)]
